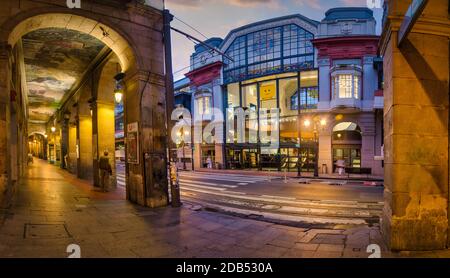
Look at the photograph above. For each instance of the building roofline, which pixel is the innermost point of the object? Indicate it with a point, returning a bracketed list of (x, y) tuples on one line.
[(348, 10), (266, 21)]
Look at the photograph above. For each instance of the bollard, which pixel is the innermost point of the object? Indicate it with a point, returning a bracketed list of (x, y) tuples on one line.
[(285, 175)]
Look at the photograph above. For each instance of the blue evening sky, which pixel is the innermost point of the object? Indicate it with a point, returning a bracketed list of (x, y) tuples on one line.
[(215, 18)]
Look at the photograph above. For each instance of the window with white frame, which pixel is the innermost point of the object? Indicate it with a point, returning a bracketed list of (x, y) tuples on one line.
[(203, 104), (346, 85)]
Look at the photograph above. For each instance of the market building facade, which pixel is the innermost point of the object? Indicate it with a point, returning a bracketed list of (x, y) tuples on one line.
[(323, 77)]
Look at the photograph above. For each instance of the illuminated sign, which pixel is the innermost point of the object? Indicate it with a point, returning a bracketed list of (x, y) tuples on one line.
[(412, 14)]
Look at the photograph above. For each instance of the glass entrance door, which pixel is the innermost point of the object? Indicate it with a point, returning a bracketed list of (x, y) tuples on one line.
[(250, 158), (351, 156), (289, 159)]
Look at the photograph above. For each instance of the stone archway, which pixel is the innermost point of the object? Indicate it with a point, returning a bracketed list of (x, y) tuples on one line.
[(134, 32)]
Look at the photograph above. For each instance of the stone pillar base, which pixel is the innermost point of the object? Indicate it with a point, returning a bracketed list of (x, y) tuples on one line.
[(425, 230)]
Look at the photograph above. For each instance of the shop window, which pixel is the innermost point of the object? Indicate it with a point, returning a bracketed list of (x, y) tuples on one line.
[(233, 95)]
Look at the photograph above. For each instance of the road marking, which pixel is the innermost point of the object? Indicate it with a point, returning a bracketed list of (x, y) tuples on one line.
[(226, 179), (203, 187), (279, 197), (242, 183), (295, 218), (334, 205), (221, 175), (208, 183)]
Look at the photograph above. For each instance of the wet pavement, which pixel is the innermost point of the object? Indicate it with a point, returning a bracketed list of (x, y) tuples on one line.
[(53, 209)]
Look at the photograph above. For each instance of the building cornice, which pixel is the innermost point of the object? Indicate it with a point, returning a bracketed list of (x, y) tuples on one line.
[(438, 26)]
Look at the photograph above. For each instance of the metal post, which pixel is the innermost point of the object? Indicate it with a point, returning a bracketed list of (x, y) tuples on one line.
[(316, 157), (299, 129), (174, 186)]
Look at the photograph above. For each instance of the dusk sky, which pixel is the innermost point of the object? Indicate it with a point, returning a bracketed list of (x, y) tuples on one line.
[(215, 18)]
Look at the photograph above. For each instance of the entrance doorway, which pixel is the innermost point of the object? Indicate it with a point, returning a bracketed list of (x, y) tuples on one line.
[(347, 142)]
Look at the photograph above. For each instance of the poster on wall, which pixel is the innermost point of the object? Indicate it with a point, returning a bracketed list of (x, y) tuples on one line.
[(133, 143)]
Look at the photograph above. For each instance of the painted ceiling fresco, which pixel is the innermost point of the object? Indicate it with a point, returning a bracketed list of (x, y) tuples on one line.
[(55, 59)]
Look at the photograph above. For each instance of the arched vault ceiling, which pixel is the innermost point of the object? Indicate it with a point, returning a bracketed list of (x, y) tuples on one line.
[(55, 59)]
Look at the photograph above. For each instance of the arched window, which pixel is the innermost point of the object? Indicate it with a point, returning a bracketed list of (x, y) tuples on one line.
[(347, 131)]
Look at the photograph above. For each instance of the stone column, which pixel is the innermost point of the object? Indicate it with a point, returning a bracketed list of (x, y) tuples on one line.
[(103, 136), (84, 138), (144, 105), (415, 215), (64, 141), (325, 152), (367, 150), (197, 155), (4, 124)]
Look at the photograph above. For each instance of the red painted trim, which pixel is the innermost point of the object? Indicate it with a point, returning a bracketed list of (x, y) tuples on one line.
[(379, 93), (205, 74), (347, 47)]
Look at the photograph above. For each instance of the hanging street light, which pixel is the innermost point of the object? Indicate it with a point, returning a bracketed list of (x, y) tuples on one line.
[(119, 88)]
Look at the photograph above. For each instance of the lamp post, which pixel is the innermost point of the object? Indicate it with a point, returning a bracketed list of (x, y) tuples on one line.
[(316, 123)]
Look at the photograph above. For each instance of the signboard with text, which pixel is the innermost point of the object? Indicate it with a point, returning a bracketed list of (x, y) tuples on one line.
[(133, 143)]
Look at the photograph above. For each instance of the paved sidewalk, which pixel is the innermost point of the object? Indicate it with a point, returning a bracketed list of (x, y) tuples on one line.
[(52, 211)]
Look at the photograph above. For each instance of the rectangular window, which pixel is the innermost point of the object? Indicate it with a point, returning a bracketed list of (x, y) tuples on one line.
[(309, 82), (356, 85), (204, 105), (345, 86), (233, 95), (250, 97)]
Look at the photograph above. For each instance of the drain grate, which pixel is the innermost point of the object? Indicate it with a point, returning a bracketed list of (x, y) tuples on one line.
[(46, 231)]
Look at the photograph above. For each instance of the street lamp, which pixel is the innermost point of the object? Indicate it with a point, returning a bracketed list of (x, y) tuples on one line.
[(316, 122), (182, 144), (53, 129), (118, 90)]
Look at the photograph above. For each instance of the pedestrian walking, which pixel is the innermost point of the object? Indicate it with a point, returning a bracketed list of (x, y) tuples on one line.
[(209, 162), (340, 165), (105, 171), (30, 159)]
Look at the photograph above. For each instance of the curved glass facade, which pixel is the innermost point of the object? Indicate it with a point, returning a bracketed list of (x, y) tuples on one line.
[(276, 50)]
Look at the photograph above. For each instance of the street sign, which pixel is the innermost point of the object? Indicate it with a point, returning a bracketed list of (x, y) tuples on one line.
[(412, 14)]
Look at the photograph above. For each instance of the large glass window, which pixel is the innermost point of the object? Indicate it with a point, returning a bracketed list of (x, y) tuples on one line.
[(250, 97), (233, 95), (288, 110), (264, 45), (268, 100), (271, 51), (250, 104), (346, 86), (288, 91), (309, 91)]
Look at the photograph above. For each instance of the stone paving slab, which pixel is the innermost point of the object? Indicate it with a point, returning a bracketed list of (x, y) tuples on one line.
[(115, 228)]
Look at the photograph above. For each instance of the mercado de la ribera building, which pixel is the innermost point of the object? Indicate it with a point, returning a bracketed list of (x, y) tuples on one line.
[(324, 77)]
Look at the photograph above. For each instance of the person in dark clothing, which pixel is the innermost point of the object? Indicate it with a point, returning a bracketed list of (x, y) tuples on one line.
[(105, 171)]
